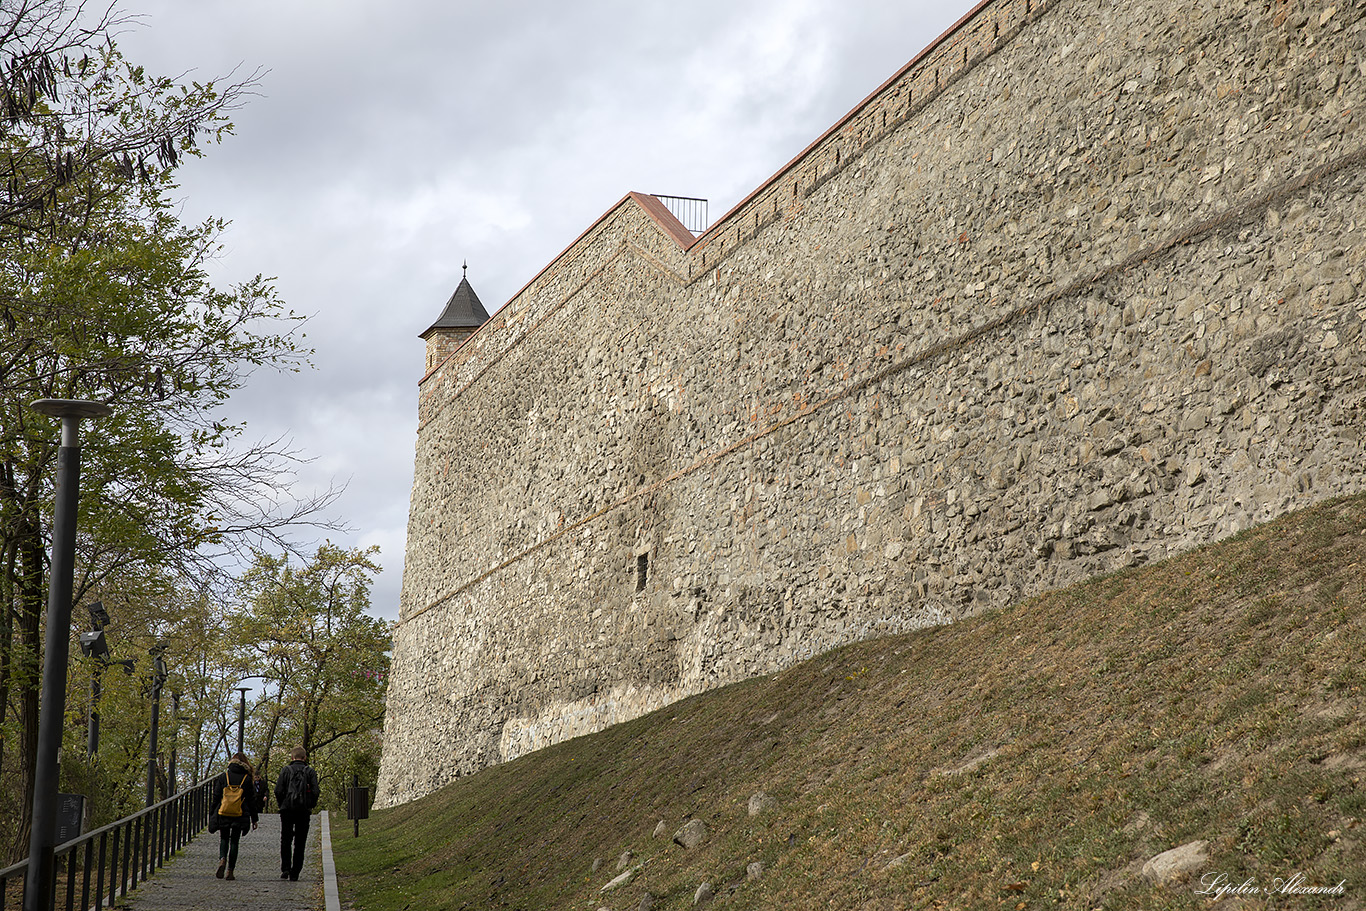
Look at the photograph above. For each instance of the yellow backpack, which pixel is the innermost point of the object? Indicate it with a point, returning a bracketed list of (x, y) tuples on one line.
[(233, 795)]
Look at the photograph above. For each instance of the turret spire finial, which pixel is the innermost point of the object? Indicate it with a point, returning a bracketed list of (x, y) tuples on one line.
[(464, 268)]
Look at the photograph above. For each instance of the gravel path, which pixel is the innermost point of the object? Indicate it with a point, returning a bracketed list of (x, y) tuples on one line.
[(187, 883)]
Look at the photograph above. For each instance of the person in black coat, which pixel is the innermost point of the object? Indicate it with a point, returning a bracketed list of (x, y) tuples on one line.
[(296, 794), (231, 828)]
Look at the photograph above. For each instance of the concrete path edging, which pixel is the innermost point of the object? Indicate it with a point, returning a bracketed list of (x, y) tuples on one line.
[(331, 897)]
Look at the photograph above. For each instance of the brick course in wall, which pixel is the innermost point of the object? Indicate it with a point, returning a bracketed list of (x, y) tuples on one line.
[(1080, 287)]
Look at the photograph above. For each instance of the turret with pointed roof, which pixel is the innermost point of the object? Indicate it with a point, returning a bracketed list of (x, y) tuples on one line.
[(458, 321)]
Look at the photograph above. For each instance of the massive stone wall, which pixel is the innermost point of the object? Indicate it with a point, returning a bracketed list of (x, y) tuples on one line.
[(1078, 288)]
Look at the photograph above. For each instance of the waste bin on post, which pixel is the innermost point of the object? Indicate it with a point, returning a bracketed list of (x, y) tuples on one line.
[(357, 804)]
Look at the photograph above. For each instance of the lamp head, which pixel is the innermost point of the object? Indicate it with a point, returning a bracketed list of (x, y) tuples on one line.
[(72, 408), (93, 644), (99, 617)]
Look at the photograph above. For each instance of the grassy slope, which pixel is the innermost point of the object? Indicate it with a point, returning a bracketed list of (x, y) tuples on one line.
[(1215, 696)]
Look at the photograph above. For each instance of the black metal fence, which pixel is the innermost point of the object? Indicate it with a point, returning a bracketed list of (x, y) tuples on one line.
[(690, 210), (96, 869)]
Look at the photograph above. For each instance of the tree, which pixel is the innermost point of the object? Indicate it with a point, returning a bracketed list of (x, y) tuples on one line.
[(104, 296), (322, 660), (69, 106)]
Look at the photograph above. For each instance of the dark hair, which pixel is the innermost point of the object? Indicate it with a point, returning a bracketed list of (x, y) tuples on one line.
[(243, 761)]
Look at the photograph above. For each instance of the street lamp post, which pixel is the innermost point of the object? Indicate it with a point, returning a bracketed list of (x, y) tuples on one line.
[(94, 646), (159, 674), (199, 727), (42, 840), (241, 715), (175, 738), (92, 734)]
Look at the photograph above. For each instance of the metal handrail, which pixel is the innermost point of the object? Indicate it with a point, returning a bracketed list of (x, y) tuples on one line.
[(120, 855)]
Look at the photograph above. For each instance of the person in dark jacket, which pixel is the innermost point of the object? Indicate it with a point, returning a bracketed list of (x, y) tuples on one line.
[(262, 792), (296, 794), (231, 828)]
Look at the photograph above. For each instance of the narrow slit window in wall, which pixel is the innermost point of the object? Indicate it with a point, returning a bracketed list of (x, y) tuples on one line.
[(642, 570)]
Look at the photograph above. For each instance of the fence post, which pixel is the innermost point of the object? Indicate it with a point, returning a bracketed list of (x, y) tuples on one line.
[(114, 868), (99, 875), (85, 873), (71, 880), (128, 843)]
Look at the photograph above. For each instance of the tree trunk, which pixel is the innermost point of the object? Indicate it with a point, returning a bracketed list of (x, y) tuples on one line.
[(9, 802), (26, 667), (270, 733)]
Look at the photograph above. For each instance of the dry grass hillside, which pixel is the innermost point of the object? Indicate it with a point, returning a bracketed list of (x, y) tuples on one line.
[(1035, 757)]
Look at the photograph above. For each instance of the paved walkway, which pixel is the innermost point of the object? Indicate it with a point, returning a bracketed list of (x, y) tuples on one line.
[(187, 881)]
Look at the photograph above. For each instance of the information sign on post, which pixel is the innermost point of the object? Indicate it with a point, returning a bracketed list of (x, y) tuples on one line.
[(70, 817)]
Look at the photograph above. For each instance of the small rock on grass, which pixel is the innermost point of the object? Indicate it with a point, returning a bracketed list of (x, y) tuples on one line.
[(760, 802), (692, 834), (1178, 864), (704, 893), (660, 829), (621, 880), (754, 871)]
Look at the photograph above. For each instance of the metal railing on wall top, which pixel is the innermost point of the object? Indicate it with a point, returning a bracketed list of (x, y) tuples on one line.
[(689, 210)]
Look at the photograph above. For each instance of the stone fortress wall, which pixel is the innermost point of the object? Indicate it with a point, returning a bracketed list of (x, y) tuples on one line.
[(1081, 287)]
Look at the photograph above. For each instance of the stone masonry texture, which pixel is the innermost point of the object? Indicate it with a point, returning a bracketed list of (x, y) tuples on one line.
[(1079, 288)]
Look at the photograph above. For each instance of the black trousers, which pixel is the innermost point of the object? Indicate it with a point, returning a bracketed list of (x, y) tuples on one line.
[(228, 839), (293, 836)]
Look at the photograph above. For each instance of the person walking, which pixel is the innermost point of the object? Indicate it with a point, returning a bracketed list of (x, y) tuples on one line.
[(262, 792), (296, 794), (235, 811)]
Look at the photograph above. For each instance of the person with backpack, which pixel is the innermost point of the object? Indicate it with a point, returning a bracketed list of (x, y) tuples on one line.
[(235, 811), (296, 794)]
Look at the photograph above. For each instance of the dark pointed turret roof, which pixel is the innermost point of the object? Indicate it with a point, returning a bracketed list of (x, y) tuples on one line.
[(463, 311)]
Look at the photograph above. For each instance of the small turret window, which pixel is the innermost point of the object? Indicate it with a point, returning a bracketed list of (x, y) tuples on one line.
[(642, 571)]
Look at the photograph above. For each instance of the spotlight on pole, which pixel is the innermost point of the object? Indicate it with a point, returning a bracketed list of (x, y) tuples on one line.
[(93, 644), (99, 617)]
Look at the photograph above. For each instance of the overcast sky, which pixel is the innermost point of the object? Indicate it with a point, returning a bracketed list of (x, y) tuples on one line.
[(388, 142)]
